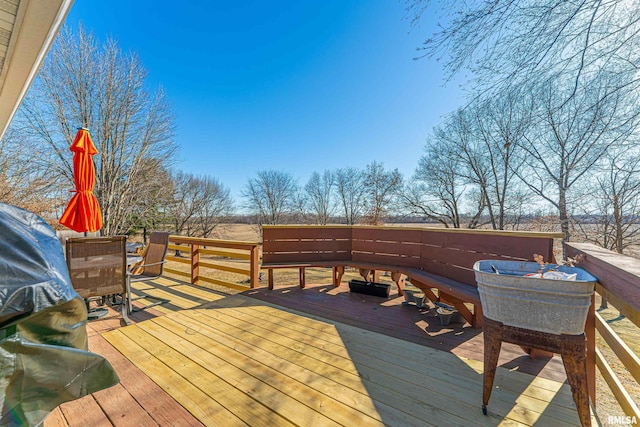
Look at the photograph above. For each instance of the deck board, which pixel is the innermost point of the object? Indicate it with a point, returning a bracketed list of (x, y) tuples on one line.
[(195, 400), (56, 419), (274, 355), (314, 357), (253, 358), (273, 368), (395, 349), (391, 317), (122, 409), (84, 412), (379, 363), (249, 377), (164, 410)]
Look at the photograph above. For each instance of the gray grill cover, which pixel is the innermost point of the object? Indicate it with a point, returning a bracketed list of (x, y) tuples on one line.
[(43, 338)]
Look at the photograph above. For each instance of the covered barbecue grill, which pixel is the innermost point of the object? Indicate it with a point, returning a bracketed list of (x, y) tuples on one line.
[(44, 359)]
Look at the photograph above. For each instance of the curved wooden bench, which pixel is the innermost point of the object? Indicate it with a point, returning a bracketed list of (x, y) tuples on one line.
[(432, 258)]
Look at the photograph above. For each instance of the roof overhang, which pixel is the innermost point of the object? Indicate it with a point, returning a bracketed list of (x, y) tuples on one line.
[(27, 30)]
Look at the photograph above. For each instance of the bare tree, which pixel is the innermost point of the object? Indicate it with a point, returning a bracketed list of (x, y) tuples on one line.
[(271, 195), (82, 83), (611, 204), (578, 60), (155, 195), (199, 204), (300, 212), (436, 189), (381, 187), (216, 205), (570, 137), (22, 182), (184, 205), (473, 166), (470, 159), (500, 124), (349, 183), (522, 42), (319, 190)]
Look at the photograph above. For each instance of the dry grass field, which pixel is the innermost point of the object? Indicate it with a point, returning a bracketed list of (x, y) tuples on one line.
[(239, 232), (629, 332)]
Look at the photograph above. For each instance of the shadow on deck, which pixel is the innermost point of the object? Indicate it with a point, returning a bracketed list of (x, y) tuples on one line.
[(318, 356)]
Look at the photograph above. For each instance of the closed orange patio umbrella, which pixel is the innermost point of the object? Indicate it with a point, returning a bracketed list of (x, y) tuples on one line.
[(83, 211)]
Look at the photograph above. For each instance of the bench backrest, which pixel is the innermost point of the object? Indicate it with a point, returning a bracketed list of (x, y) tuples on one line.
[(390, 246), (447, 252), (291, 244), (452, 253)]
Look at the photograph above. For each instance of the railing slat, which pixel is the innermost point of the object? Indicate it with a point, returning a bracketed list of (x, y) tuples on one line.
[(177, 272), (226, 254), (225, 268), (178, 259), (624, 353), (228, 244), (181, 248), (620, 304), (624, 399)]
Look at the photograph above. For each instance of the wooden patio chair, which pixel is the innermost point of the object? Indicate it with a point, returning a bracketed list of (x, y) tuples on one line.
[(150, 267), (98, 268)]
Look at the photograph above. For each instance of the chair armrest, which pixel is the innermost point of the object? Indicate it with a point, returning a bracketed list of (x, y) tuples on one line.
[(149, 265), (139, 268)]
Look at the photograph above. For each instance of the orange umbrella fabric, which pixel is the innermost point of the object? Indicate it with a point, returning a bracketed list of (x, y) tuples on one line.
[(83, 212)]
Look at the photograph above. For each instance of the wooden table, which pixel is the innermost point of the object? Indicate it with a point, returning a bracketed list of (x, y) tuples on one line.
[(133, 259)]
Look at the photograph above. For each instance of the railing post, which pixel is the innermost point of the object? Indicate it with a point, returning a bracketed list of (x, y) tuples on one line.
[(590, 333), (195, 263), (254, 268)]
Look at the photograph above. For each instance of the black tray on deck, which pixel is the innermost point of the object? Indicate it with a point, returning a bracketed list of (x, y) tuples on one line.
[(369, 288)]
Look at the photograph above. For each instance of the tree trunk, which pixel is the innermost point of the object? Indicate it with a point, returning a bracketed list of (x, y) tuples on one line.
[(564, 217), (618, 223)]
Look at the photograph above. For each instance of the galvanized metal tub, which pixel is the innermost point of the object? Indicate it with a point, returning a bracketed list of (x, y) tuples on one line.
[(546, 305)]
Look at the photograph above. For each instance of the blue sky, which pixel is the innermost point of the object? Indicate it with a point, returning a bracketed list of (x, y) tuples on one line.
[(299, 86)]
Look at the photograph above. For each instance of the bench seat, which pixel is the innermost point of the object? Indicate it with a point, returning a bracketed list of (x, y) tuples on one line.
[(303, 264), (463, 291), (337, 266), (375, 266), (451, 291)]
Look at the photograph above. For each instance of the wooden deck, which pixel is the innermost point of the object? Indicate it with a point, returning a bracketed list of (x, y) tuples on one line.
[(391, 317), (336, 359)]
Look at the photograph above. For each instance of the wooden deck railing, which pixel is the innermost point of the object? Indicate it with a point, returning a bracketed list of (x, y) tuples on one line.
[(619, 283), (202, 254)]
